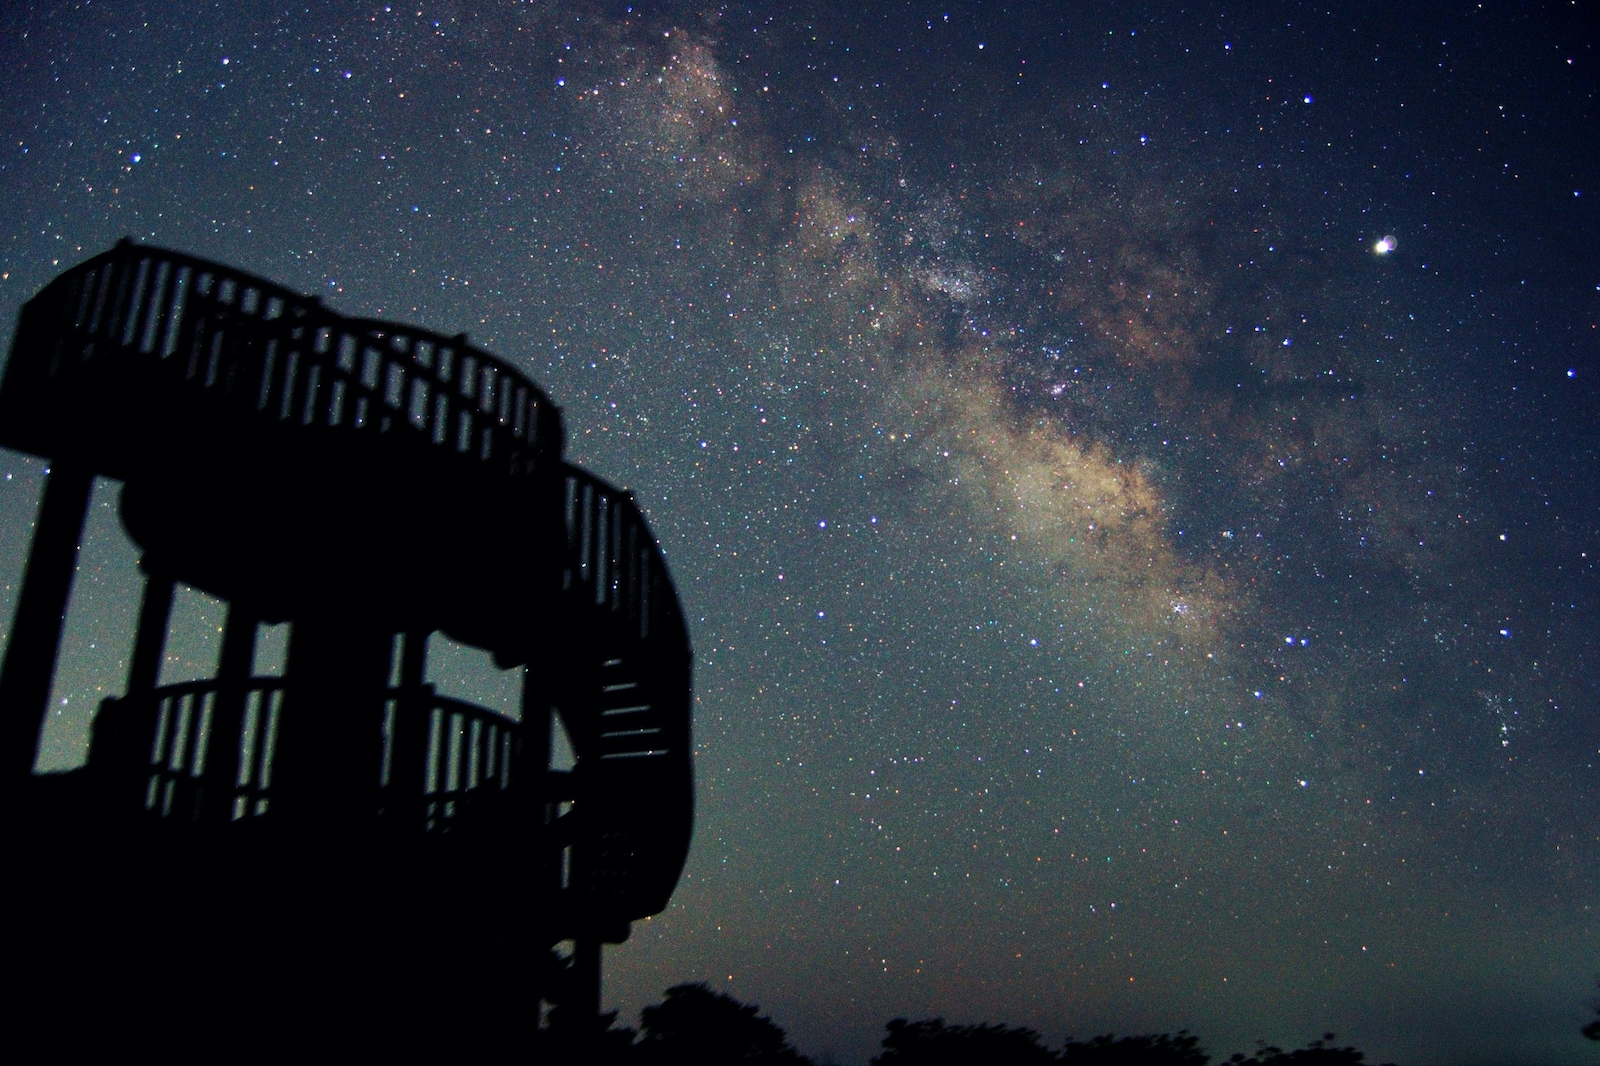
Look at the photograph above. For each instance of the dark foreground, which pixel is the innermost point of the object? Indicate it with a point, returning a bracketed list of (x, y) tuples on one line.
[(696, 1025)]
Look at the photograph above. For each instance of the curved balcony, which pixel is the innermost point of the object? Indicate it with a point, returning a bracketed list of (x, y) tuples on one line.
[(139, 324), (204, 752)]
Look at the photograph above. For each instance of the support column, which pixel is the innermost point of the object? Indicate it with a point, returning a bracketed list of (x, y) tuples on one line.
[(150, 642), (30, 662), (221, 775), (119, 738), (330, 745), (532, 785), (408, 754), (533, 768)]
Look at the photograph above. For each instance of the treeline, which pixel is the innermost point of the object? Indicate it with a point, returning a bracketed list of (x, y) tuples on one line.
[(694, 1025)]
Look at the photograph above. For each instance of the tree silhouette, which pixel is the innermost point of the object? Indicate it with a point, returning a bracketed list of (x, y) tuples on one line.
[(933, 1043), (1162, 1049), (1317, 1053), (1592, 1030), (696, 1025), (572, 1035)]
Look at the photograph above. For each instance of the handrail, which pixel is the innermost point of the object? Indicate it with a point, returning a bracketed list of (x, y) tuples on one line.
[(614, 568), (234, 339), (442, 760), (155, 751), (631, 733), (470, 750), (614, 563), (161, 750)]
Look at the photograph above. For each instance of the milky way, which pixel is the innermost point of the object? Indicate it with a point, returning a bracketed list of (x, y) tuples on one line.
[(1124, 598)]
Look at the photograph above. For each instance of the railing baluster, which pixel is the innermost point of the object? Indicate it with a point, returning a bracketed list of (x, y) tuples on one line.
[(434, 766), (156, 309), (614, 550), (269, 746), (111, 292), (439, 423), (176, 310), (79, 295), (139, 303)]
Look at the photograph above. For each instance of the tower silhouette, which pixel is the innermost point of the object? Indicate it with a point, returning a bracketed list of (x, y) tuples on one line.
[(339, 849)]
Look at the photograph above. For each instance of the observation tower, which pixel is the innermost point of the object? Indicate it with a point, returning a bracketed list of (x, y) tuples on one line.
[(337, 845)]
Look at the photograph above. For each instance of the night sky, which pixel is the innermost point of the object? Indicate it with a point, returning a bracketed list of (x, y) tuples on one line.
[(1124, 595)]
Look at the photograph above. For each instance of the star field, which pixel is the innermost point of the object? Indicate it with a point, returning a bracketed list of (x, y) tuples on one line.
[(1129, 477)]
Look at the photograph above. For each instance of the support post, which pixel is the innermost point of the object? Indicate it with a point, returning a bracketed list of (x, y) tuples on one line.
[(533, 783), (30, 662), (224, 745), (408, 756), (119, 739), (534, 769), (150, 642), (330, 745)]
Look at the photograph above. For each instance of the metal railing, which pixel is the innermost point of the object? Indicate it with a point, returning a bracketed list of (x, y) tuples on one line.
[(615, 570), (168, 743), (471, 751), (182, 723), (247, 345)]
